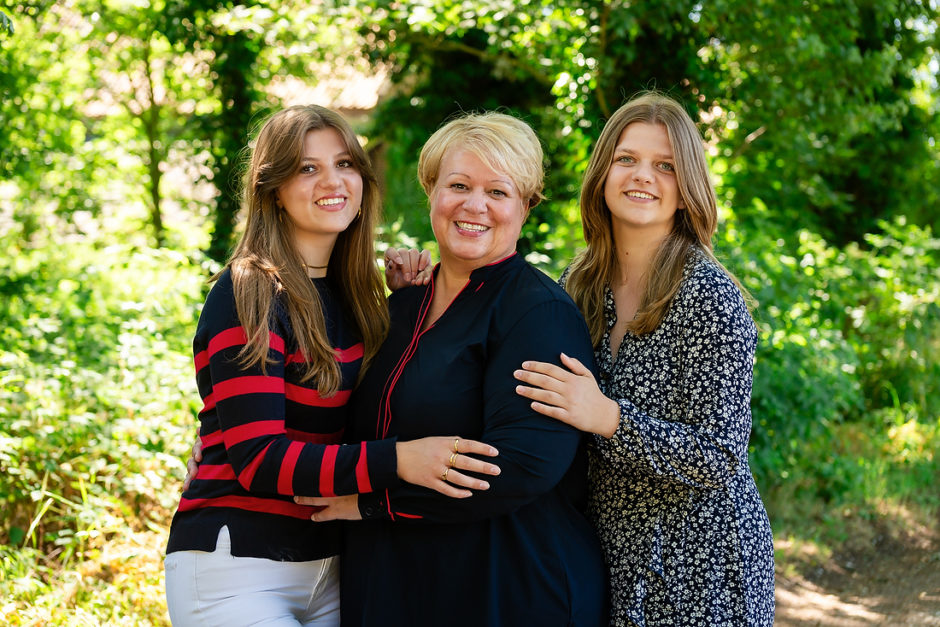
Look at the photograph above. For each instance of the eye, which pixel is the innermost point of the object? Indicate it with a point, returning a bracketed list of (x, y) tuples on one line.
[(665, 166), (625, 159), (308, 168), (345, 163), (458, 186), (499, 193)]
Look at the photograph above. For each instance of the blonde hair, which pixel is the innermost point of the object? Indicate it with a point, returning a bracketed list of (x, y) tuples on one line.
[(266, 264), (594, 269), (504, 143)]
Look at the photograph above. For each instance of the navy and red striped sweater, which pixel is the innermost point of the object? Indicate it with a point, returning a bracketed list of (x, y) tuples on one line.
[(267, 437)]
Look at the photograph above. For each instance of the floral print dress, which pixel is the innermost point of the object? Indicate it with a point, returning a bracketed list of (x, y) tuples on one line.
[(685, 534)]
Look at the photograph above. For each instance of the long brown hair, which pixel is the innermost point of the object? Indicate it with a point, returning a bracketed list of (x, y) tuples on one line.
[(595, 268), (266, 264)]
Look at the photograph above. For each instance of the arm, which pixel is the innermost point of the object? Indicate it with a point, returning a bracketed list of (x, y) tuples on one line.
[(250, 404), (535, 453), (705, 448)]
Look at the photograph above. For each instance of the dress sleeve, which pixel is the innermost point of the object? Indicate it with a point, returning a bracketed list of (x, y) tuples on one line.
[(250, 406), (706, 438), (535, 452)]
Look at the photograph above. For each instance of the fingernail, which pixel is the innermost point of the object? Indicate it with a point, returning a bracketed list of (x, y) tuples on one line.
[(484, 485)]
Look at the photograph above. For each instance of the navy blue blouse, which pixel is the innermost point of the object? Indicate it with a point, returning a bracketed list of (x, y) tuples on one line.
[(519, 553)]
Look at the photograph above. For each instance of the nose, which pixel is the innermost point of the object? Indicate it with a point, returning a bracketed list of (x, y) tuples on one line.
[(475, 201), (643, 172), (330, 178)]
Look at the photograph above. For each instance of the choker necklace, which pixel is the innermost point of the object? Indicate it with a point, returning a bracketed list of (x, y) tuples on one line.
[(316, 267)]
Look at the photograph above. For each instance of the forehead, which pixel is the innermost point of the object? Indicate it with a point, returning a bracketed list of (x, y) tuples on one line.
[(460, 161), (321, 142), (645, 137)]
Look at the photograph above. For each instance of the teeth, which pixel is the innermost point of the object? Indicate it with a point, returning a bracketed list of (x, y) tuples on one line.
[(330, 201), (467, 226), (641, 195)]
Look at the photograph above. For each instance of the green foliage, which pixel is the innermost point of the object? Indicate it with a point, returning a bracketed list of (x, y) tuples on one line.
[(97, 387), (847, 334)]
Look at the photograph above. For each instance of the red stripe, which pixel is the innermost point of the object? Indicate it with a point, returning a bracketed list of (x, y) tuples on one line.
[(295, 358), (250, 503), (201, 360), (208, 403), (211, 439), (238, 386), (327, 468), (316, 438), (219, 472), (252, 430), (346, 355), (307, 396), (285, 477), (248, 474), (343, 355), (362, 470), (404, 515), (236, 336)]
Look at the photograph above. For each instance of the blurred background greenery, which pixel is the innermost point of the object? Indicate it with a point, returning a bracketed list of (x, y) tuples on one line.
[(121, 127)]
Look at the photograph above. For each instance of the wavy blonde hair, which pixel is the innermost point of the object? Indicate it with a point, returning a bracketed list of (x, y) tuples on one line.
[(266, 264), (595, 268)]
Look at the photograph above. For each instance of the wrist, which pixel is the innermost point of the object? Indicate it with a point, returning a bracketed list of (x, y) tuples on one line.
[(609, 419)]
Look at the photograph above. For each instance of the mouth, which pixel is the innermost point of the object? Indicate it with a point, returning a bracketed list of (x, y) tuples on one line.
[(639, 195), (470, 226), (331, 202)]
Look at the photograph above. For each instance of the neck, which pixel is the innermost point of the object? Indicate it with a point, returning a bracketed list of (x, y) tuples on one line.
[(315, 255), (636, 249)]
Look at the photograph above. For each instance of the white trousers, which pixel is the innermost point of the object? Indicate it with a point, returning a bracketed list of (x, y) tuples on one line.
[(220, 589)]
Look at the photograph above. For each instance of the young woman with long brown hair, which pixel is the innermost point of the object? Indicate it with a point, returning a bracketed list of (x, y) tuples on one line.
[(685, 534), (296, 315)]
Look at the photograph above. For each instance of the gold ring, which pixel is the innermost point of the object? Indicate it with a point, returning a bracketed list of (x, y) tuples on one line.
[(456, 442), (453, 460), (444, 476)]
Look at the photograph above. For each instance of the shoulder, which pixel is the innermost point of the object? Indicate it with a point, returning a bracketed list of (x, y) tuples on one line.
[(529, 285), (708, 292)]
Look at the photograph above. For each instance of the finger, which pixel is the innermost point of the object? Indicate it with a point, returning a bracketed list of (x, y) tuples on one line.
[(542, 396), (324, 515), (424, 259), (393, 256), (411, 260), (545, 368), (456, 477), (575, 366), (545, 382), (197, 450), (475, 465), (472, 446), (315, 501), (551, 411)]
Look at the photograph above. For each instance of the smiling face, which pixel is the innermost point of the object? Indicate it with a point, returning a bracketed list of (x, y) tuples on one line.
[(476, 212), (641, 189), (325, 194)]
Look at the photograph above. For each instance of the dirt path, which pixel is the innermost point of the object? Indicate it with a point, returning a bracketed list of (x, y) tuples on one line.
[(894, 582)]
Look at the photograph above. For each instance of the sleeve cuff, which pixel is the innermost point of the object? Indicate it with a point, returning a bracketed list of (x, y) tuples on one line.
[(383, 464), (374, 506)]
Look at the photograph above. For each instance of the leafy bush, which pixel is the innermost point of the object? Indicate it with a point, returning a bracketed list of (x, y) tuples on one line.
[(97, 390), (850, 340)]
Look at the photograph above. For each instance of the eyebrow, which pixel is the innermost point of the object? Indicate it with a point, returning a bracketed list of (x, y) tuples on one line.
[(340, 155), (505, 181), (667, 157)]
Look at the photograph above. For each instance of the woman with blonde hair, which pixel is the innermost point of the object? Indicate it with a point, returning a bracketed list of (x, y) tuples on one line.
[(291, 322), (522, 552), (685, 534)]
